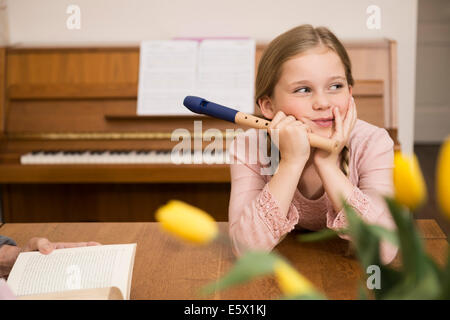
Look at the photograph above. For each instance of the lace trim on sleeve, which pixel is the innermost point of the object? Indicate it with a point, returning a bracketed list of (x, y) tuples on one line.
[(269, 212), (358, 201)]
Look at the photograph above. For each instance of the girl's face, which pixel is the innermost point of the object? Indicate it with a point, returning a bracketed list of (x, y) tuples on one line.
[(310, 85)]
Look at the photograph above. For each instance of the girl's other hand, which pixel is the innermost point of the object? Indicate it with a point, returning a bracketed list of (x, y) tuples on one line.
[(342, 131), (293, 142)]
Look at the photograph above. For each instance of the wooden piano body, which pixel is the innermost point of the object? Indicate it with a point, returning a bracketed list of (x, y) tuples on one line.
[(71, 99)]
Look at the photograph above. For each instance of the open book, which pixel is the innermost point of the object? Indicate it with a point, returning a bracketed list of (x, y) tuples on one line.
[(87, 273)]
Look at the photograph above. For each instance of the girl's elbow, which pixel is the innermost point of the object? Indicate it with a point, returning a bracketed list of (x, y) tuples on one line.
[(242, 243)]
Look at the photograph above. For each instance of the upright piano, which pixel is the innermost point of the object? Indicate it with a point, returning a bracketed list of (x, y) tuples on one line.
[(73, 149)]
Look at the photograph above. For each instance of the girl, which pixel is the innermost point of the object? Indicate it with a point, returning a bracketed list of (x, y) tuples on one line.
[(304, 84)]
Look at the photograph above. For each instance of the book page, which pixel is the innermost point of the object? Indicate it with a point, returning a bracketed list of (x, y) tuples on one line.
[(111, 293), (72, 269), (167, 74), (226, 73)]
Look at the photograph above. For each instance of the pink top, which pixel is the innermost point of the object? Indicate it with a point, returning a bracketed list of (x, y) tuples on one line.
[(254, 218)]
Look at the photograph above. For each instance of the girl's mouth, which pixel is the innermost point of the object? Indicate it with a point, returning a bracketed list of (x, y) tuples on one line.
[(324, 123)]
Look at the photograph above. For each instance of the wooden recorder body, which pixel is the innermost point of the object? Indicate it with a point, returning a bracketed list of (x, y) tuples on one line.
[(315, 140)]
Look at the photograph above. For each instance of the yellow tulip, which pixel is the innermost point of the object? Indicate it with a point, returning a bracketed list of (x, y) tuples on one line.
[(187, 222), (443, 178), (409, 184), (290, 281)]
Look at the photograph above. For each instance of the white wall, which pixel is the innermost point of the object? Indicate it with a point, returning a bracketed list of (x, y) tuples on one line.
[(104, 22), (432, 121), (4, 32)]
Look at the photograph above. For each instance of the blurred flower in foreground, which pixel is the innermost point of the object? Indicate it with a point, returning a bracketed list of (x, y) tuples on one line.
[(443, 178), (187, 222), (290, 281), (409, 184)]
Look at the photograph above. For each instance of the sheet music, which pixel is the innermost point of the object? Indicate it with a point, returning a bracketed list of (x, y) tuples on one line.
[(221, 71), (167, 73), (226, 70)]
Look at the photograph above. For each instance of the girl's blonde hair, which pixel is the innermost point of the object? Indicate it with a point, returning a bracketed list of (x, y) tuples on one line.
[(289, 44)]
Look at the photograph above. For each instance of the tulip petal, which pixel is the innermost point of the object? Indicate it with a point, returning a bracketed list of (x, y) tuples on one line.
[(409, 184), (187, 222), (443, 178), (290, 281)]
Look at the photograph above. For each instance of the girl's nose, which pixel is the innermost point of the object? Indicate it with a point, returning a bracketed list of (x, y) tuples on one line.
[(321, 102)]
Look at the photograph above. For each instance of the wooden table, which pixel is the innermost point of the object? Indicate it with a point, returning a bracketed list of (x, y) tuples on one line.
[(166, 268)]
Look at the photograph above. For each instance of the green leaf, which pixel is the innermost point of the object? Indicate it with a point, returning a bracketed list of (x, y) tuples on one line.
[(427, 287), (365, 242), (390, 279), (250, 265), (419, 278), (362, 291), (384, 234), (323, 234), (411, 245), (445, 278)]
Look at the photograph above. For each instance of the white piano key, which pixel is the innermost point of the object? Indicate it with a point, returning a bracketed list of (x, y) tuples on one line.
[(131, 157)]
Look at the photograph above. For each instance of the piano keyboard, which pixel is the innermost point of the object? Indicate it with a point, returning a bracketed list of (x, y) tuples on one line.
[(122, 157)]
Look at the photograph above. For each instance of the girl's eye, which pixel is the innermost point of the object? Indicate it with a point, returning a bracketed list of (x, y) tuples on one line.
[(303, 90), (336, 86)]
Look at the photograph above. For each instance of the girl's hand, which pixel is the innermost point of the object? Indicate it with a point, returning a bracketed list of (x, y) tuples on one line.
[(343, 128), (293, 142)]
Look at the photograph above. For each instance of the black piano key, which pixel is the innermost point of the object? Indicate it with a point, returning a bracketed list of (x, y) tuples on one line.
[(118, 152), (98, 152), (49, 153)]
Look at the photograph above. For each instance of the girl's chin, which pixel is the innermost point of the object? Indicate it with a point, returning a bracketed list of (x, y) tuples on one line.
[(324, 132)]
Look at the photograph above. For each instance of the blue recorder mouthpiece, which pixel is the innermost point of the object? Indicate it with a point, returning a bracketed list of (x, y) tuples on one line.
[(203, 106)]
